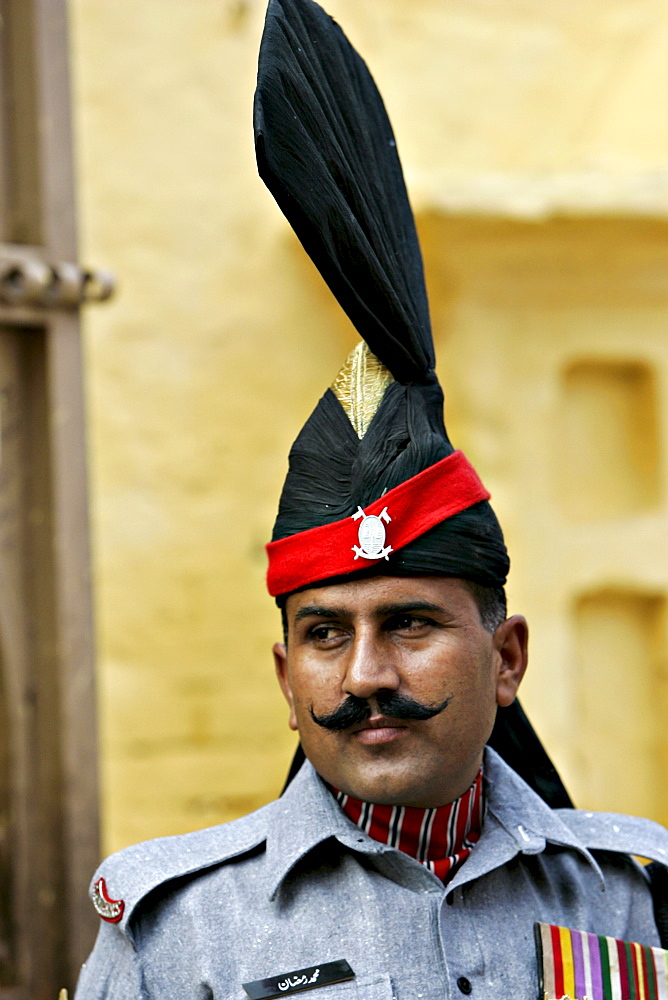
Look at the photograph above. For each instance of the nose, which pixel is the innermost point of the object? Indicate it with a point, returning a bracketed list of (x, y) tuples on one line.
[(370, 667)]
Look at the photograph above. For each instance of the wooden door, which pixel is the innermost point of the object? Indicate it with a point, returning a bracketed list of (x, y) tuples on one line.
[(48, 794)]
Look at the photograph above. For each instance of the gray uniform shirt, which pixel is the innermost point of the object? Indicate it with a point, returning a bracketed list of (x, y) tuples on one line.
[(296, 884)]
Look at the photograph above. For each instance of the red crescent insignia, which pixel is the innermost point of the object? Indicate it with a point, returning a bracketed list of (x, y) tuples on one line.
[(108, 908)]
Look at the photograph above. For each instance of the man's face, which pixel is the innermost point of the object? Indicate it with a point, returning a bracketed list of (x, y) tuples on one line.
[(420, 637)]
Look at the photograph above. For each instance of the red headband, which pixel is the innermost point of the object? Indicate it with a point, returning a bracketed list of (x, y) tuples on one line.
[(397, 518)]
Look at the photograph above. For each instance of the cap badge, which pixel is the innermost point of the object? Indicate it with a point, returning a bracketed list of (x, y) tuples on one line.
[(371, 535), (109, 909)]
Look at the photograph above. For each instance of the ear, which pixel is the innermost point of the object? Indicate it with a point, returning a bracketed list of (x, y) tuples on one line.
[(510, 640), (281, 664)]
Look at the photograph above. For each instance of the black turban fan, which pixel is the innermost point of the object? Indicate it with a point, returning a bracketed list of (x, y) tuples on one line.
[(326, 151)]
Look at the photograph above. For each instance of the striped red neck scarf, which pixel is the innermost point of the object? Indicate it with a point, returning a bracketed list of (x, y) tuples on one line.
[(441, 838)]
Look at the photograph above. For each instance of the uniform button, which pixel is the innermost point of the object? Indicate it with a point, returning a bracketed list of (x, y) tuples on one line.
[(450, 899), (464, 985)]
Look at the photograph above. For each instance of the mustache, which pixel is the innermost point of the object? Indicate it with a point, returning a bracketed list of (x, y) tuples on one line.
[(395, 706)]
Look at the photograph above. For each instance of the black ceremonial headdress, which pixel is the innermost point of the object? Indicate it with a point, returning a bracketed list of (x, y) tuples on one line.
[(374, 484)]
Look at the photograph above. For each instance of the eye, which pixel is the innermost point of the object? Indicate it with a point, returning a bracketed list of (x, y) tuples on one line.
[(408, 623), (325, 635)]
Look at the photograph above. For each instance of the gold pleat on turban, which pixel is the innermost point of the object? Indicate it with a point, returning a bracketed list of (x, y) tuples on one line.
[(360, 385)]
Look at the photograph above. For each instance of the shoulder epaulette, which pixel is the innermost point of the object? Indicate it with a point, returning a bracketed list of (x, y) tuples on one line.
[(125, 878), (618, 833)]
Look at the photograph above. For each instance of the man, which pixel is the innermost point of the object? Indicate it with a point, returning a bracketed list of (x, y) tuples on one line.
[(405, 859), (417, 637)]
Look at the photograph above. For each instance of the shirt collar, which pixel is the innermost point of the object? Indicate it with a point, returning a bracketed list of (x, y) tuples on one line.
[(440, 837), (517, 822), (307, 814)]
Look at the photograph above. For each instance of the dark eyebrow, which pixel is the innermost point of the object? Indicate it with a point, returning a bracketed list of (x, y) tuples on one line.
[(382, 611), (408, 607), (309, 610)]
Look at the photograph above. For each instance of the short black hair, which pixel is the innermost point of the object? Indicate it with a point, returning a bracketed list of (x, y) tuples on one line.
[(492, 604), (491, 601)]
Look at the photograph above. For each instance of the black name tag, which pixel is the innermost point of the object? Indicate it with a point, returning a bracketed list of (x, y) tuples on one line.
[(302, 979)]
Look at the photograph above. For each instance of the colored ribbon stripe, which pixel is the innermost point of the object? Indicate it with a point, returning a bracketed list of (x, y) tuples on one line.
[(579, 969), (660, 957), (626, 970), (565, 942), (413, 507), (609, 970), (643, 985), (577, 964), (646, 985)]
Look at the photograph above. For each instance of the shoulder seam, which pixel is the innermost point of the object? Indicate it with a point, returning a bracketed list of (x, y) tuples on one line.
[(131, 874), (617, 833)]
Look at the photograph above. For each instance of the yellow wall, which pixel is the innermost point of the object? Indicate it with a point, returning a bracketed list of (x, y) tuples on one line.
[(536, 150)]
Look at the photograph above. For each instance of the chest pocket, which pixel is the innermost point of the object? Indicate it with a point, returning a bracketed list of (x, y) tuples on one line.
[(378, 987)]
